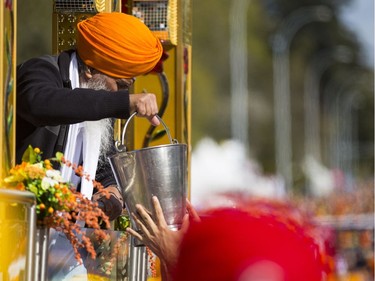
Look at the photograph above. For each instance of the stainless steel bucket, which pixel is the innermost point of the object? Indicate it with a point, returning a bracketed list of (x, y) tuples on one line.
[(158, 170)]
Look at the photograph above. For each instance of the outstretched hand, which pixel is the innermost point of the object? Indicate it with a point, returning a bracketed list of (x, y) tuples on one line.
[(156, 235)]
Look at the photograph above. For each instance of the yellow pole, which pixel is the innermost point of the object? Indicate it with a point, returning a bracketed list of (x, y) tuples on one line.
[(7, 82)]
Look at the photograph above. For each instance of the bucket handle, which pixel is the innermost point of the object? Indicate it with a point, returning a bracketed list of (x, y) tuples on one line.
[(121, 146)]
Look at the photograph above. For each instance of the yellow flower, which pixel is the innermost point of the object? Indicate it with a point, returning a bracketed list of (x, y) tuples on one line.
[(36, 150), (35, 171)]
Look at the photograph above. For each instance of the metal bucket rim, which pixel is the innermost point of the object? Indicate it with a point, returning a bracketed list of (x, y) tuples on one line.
[(148, 148)]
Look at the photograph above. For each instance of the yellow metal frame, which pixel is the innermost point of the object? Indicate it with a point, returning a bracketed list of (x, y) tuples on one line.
[(8, 25), (15, 206), (64, 24), (177, 115)]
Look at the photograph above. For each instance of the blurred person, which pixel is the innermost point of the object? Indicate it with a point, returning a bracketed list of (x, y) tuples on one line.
[(256, 240), (68, 102)]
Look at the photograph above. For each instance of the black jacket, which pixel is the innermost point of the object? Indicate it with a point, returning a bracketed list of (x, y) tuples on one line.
[(46, 105)]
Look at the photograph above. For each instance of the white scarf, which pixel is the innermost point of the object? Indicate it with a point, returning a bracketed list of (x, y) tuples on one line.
[(79, 145)]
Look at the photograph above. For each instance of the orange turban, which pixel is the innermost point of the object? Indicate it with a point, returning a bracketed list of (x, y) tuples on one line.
[(117, 44)]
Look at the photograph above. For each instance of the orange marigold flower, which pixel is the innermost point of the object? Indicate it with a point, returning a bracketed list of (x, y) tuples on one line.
[(50, 210), (20, 186), (42, 206)]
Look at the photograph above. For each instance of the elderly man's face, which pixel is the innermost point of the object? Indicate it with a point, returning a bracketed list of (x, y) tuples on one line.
[(262, 271), (113, 84), (97, 80)]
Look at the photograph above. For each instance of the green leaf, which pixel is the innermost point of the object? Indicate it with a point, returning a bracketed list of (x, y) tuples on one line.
[(59, 156), (122, 222), (33, 189), (29, 155)]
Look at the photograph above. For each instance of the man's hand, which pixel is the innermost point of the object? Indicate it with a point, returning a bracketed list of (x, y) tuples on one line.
[(145, 105), (111, 206)]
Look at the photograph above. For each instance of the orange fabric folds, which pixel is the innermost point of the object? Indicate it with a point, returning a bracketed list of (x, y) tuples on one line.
[(118, 45)]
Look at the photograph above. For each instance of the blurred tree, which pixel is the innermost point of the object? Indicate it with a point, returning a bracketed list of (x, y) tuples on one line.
[(211, 77), (310, 40), (210, 73), (34, 28), (211, 68)]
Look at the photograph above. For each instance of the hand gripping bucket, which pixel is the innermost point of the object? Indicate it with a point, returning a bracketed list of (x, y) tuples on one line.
[(158, 170)]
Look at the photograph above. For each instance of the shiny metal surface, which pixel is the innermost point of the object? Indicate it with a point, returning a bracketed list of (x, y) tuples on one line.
[(160, 171), (138, 262), (122, 146), (41, 253)]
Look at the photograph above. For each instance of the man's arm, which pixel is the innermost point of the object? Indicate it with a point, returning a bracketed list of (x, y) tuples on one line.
[(42, 100)]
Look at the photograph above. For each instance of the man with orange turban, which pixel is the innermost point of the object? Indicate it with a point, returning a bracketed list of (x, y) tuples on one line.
[(68, 102)]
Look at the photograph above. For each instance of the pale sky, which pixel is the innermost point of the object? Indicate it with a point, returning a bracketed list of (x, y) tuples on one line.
[(359, 16)]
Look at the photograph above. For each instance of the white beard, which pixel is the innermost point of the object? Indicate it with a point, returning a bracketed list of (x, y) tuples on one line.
[(103, 126)]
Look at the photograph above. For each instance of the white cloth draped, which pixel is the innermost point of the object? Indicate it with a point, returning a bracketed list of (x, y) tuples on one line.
[(80, 145)]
